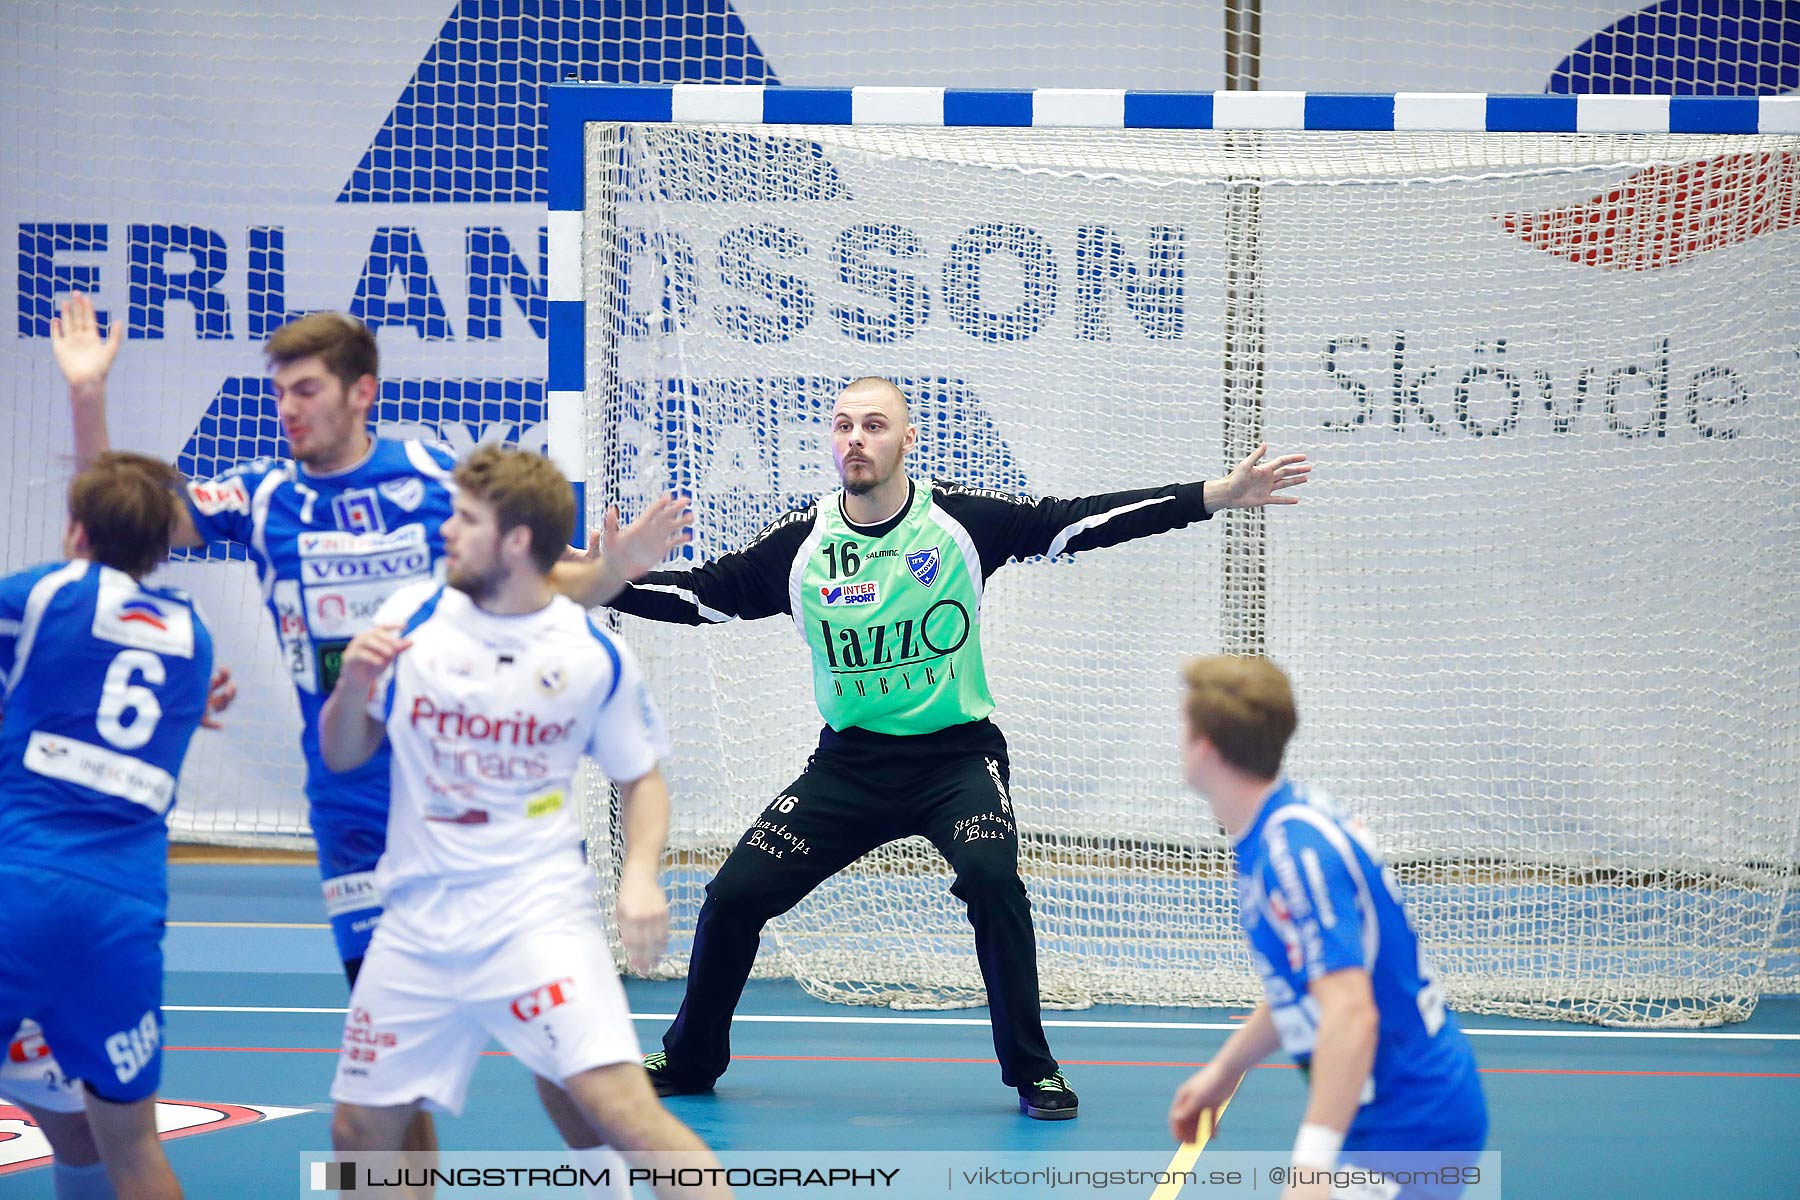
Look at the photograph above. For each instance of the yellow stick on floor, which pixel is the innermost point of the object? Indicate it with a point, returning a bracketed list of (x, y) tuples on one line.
[(1189, 1151)]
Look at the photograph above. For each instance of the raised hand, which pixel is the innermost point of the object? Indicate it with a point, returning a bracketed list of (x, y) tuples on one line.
[(1253, 482), (83, 355), (369, 654), (647, 542)]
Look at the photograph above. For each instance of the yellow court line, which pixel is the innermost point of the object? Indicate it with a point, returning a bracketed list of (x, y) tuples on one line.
[(1190, 1151), (245, 925)]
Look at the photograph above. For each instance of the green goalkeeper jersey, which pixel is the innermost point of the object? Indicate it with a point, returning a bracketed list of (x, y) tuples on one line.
[(893, 620), (891, 612)]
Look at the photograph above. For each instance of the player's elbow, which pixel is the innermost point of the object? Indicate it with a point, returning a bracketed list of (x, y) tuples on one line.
[(1347, 1005), (1358, 1022), (1363, 1022), (344, 750), (336, 758)]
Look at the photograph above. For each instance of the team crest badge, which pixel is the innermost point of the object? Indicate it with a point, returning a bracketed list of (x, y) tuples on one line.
[(357, 511), (408, 493), (924, 565)]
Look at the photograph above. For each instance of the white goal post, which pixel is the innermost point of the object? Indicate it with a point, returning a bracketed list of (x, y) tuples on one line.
[(1540, 602)]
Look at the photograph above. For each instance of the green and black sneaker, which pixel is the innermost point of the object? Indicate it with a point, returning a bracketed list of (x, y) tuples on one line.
[(667, 1083), (1049, 1099)]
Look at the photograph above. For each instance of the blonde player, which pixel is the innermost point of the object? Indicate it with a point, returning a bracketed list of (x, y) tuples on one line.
[(1394, 1108)]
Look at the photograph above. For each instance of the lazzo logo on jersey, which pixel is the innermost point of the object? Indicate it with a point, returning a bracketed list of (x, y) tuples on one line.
[(538, 1001), (358, 511), (220, 495), (850, 593), (924, 565), (551, 680)]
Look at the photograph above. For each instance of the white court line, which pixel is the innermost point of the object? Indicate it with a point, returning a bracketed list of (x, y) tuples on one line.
[(245, 925), (983, 1023)]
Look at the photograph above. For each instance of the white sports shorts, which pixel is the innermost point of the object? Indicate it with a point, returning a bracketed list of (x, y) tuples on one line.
[(29, 1074), (418, 1022)]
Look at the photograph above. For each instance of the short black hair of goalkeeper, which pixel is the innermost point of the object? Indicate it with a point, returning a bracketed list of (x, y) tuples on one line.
[(126, 504)]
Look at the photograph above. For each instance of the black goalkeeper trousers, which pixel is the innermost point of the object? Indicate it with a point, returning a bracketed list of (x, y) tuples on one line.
[(860, 791)]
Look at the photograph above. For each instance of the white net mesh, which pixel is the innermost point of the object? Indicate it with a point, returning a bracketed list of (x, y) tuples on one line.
[(208, 168), (280, 158), (1538, 603)]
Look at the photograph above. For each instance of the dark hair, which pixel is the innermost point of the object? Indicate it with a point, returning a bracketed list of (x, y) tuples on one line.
[(344, 344), (126, 503), (525, 489), (1244, 706)]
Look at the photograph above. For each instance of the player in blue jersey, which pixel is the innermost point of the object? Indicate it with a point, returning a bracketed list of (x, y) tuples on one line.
[(334, 531), (105, 681), (1348, 992)]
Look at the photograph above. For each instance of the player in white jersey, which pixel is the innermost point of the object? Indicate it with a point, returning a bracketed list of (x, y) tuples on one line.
[(489, 691), (346, 520)]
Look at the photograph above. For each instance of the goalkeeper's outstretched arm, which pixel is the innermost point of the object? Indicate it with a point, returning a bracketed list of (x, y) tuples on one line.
[(1007, 526), (615, 556), (746, 584)]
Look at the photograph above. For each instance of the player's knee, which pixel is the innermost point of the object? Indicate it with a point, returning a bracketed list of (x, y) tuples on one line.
[(354, 1127), (737, 894), (70, 1136), (985, 877), (618, 1104)]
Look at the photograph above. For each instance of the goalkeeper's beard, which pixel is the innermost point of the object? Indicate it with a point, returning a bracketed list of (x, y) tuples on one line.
[(868, 483)]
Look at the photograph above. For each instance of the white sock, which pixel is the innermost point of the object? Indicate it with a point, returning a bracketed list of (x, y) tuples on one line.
[(81, 1183), (596, 1159)]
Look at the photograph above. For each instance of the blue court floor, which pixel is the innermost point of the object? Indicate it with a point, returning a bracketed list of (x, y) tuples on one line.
[(255, 1004)]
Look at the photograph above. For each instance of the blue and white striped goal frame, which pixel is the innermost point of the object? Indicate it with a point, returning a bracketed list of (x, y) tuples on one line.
[(572, 106)]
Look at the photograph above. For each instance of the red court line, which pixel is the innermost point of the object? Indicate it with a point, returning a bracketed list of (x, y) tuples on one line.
[(1068, 1062)]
